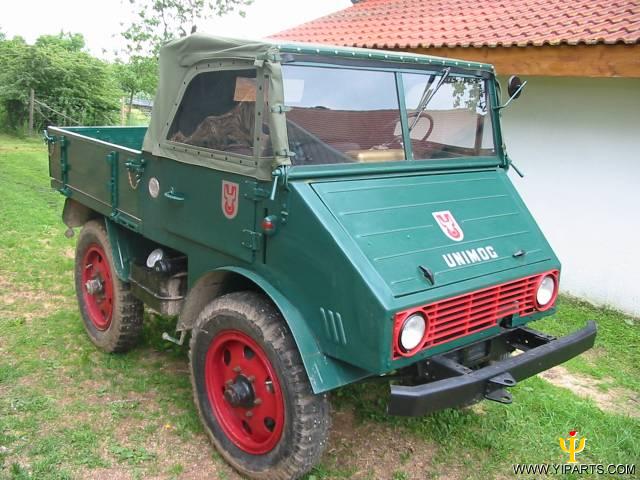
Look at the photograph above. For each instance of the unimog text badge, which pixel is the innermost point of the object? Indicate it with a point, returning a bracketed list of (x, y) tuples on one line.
[(230, 199), (448, 225)]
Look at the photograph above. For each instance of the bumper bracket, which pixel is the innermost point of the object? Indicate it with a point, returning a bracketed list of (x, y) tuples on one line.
[(455, 385)]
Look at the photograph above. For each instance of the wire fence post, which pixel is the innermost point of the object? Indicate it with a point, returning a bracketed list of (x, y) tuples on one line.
[(32, 98)]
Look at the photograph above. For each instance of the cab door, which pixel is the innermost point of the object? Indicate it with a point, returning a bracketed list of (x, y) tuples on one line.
[(210, 133), (207, 207)]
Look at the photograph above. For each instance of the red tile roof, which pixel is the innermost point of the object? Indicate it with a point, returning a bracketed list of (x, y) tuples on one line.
[(472, 23)]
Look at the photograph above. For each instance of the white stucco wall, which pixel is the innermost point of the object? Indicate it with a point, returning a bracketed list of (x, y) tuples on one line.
[(578, 143)]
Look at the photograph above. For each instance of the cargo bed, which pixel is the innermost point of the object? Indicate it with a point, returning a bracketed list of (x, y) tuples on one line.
[(99, 167)]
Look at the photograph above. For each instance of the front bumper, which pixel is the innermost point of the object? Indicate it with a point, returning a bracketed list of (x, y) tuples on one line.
[(457, 385)]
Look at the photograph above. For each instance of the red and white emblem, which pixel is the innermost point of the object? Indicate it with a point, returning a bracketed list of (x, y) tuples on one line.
[(449, 225), (230, 199)]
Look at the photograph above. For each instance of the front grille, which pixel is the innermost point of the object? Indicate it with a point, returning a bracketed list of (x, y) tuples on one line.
[(456, 317)]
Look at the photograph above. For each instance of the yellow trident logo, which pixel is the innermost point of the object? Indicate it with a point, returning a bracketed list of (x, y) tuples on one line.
[(572, 449)]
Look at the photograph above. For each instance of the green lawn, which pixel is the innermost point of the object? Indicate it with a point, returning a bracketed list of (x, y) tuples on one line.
[(69, 411)]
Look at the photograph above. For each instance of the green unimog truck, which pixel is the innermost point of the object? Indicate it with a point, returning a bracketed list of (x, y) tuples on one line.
[(313, 216)]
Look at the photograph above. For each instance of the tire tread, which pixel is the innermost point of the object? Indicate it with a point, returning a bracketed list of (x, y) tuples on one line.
[(311, 431), (126, 324)]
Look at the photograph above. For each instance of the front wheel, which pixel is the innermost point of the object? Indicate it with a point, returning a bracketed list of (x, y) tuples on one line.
[(252, 391)]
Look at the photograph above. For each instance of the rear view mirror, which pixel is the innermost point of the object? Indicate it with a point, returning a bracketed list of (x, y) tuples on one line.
[(514, 86)]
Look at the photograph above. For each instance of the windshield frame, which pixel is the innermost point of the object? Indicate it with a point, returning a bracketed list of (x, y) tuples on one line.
[(410, 163)]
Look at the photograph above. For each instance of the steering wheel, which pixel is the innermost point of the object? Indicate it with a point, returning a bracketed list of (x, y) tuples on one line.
[(423, 115)]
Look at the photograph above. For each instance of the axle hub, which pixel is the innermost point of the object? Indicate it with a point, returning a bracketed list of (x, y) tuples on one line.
[(93, 286), (240, 392)]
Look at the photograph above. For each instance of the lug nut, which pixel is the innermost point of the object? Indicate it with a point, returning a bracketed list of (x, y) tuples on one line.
[(251, 378), (257, 401), (237, 369), (249, 414)]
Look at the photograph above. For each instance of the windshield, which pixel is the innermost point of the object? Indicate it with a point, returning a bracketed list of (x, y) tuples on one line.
[(455, 123), (343, 115)]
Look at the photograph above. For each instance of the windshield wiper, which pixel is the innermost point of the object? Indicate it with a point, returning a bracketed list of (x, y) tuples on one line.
[(427, 95)]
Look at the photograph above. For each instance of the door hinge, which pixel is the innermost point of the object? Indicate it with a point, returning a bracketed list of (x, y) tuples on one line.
[(252, 239)]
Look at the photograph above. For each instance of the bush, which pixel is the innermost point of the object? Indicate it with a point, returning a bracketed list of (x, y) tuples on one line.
[(64, 77)]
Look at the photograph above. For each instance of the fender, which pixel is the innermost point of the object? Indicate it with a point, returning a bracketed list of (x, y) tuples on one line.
[(126, 245), (325, 373)]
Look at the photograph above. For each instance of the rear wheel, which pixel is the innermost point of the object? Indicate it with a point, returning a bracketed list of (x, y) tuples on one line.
[(252, 391), (112, 316)]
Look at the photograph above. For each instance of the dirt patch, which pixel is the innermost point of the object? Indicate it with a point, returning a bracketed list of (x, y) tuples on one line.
[(196, 456), (615, 400), (115, 473), (30, 303), (367, 450), (593, 354)]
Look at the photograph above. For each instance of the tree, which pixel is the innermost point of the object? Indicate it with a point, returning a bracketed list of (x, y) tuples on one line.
[(13, 78), (73, 42), (139, 75), (63, 76), (160, 21)]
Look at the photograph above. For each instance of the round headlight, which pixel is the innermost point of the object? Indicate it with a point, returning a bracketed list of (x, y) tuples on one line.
[(546, 291), (412, 331)]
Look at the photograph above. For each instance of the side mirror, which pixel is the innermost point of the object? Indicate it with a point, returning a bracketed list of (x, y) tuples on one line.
[(514, 86)]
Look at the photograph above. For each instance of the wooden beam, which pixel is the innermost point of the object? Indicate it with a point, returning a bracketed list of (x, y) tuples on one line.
[(555, 61)]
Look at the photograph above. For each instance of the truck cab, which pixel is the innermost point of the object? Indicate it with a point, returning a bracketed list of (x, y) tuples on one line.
[(313, 216)]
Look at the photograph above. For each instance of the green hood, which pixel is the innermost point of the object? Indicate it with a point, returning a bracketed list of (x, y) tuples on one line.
[(394, 222)]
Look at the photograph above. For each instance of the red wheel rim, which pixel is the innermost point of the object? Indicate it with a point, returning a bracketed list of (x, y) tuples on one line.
[(97, 286), (244, 392)]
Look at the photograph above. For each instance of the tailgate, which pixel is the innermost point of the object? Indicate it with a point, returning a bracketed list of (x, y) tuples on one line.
[(455, 226)]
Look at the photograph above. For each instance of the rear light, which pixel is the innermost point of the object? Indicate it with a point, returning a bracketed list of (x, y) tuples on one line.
[(459, 316), (269, 224)]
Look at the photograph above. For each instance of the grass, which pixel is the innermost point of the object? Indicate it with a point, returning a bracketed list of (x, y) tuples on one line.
[(68, 411), (138, 118)]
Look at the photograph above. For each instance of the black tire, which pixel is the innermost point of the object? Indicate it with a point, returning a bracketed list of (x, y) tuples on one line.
[(306, 416), (119, 329)]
